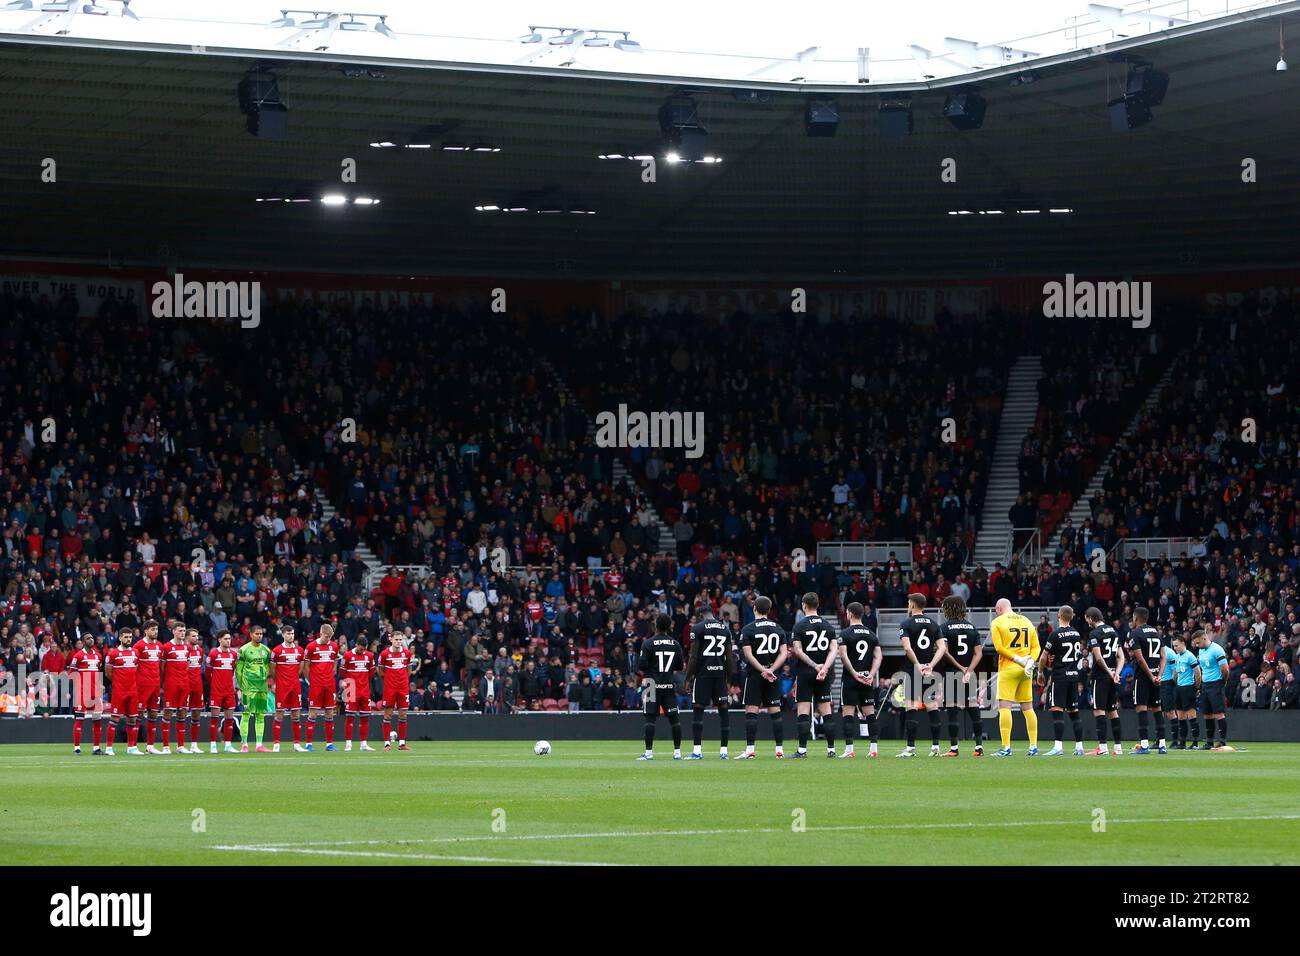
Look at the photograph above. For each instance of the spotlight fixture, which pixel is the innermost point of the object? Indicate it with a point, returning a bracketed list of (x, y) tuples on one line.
[(334, 199), (1148, 83), (1144, 87), (680, 124), (1281, 48), (965, 110), (575, 36), (327, 22)]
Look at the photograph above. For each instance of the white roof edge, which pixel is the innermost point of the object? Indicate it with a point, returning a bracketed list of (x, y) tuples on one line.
[(1257, 10)]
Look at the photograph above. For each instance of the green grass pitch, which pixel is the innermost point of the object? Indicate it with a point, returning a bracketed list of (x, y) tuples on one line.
[(591, 802)]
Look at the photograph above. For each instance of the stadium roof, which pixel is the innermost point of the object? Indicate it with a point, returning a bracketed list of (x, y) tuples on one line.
[(154, 163)]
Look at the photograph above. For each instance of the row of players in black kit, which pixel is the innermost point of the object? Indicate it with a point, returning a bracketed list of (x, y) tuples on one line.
[(812, 645)]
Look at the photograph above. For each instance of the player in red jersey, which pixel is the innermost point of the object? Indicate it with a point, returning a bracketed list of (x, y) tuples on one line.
[(288, 659), (86, 667), (358, 669), (176, 687), (221, 691), (148, 681), (395, 662), (195, 672), (322, 672), (120, 669)]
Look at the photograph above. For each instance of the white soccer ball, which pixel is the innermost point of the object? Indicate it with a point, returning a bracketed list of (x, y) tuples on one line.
[(542, 748), (392, 736)]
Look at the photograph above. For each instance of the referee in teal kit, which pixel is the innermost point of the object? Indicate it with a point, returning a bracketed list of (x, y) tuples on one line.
[(1214, 675)]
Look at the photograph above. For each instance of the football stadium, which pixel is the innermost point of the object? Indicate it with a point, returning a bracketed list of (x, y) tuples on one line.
[(562, 435)]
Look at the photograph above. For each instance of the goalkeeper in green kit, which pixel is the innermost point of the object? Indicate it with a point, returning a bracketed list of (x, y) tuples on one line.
[(252, 669)]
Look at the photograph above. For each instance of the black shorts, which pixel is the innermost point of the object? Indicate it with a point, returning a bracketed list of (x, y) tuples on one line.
[(809, 690), (1169, 695), (664, 701), (711, 688), (1212, 697), (760, 692), (1105, 693), (1063, 692), (1145, 693), (853, 694), (1185, 697)]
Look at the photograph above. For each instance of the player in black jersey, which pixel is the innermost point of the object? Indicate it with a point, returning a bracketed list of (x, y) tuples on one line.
[(1146, 649), (661, 658), (765, 647), (815, 641), (708, 673), (859, 680), (924, 646), (962, 653), (1062, 654), (1104, 649)]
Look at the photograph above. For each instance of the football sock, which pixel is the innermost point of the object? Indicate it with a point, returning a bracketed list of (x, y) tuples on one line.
[(244, 721), (1209, 729), (230, 730), (331, 719), (388, 728), (805, 725), (1160, 726), (871, 728), (112, 729), (349, 725), (165, 735), (1031, 725), (751, 728), (649, 735), (365, 728), (401, 731), (212, 728), (977, 722), (180, 732), (1077, 726), (1116, 732), (76, 731), (910, 725), (311, 728), (1196, 729), (778, 728), (1183, 730), (724, 725), (1058, 729), (1004, 725), (677, 730), (954, 727), (1223, 729), (828, 727), (194, 730), (697, 725), (276, 726), (1101, 730), (851, 731), (935, 721)]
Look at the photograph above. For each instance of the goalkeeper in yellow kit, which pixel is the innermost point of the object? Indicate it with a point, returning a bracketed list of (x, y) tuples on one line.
[(1016, 643)]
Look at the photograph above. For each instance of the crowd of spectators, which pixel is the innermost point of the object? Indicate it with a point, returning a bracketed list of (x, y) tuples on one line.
[(181, 475)]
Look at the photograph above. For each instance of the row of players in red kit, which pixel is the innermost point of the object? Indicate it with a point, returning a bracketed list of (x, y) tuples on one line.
[(154, 683)]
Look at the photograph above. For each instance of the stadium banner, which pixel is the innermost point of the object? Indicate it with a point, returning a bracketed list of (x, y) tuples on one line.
[(909, 303), (91, 292)]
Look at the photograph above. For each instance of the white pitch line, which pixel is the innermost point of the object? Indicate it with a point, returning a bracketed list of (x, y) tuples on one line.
[(406, 856), (624, 834)]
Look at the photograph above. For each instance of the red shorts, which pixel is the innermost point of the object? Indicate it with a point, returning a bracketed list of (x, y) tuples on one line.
[(88, 694), (356, 696), (126, 702), (176, 696), (149, 696), (288, 697), (325, 696), (223, 699), (397, 699), (196, 697)]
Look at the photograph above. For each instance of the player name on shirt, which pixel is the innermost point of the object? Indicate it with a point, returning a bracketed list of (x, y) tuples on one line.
[(861, 644), (922, 632), (962, 638), (1065, 646), (711, 640), (815, 635), (1104, 637), (1150, 642), (661, 657), (764, 638)]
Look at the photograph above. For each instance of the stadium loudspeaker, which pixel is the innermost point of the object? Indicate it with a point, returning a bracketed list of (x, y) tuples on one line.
[(1128, 112), (822, 118), (677, 112), (269, 121), (895, 121), (965, 110), (1148, 83)]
